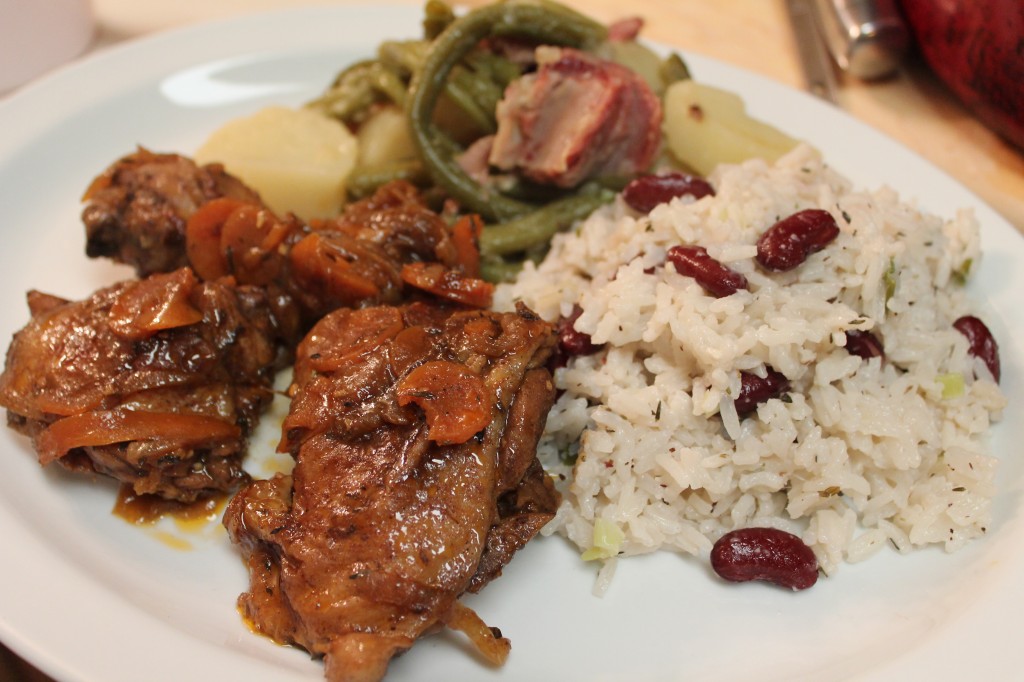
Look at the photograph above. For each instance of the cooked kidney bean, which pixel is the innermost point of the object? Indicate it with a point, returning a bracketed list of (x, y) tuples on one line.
[(647, 191), (754, 390), (717, 279), (863, 344), (789, 242), (767, 554), (982, 344), (571, 342)]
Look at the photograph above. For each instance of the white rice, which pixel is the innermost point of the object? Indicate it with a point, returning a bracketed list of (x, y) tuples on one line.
[(858, 455)]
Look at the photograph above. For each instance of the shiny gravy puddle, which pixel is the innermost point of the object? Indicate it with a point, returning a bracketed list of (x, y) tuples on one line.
[(176, 525)]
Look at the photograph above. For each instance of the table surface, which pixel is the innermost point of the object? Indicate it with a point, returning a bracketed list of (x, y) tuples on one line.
[(912, 107)]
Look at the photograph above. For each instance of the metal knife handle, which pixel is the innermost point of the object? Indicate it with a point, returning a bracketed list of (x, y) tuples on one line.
[(867, 38), (818, 68)]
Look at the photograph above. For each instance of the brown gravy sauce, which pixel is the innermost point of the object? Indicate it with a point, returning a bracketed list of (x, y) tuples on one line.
[(147, 509)]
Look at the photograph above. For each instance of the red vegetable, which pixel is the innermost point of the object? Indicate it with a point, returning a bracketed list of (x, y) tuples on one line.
[(974, 46), (767, 554)]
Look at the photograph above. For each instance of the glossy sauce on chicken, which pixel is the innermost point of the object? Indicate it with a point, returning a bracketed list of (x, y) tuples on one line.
[(155, 382), (137, 209), (414, 430)]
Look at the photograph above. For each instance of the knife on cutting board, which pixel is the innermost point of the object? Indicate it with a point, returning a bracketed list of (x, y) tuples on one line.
[(865, 38), (818, 69)]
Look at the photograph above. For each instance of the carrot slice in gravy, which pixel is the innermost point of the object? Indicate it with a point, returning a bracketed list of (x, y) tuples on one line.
[(466, 235), (203, 235), (452, 397), (448, 284), (153, 304), (316, 264), (106, 427)]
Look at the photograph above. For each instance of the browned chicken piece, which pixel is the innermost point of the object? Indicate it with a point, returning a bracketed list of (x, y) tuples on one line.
[(159, 212), (155, 382), (416, 479), (576, 117), (360, 258), (396, 219), (137, 209)]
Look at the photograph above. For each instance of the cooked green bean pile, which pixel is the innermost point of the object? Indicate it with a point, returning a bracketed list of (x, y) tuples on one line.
[(451, 75)]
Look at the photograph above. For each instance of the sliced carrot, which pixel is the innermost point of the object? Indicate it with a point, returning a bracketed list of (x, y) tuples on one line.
[(466, 235), (448, 284), (249, 242), (452, 397), (153, 304), (203, 237), (106, 427), (316, 264)]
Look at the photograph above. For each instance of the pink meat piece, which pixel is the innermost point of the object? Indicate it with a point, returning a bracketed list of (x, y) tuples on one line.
[(625, 30), (575, 118)]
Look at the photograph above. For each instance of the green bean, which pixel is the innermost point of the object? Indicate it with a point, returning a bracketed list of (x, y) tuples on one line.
[(349, 92), (545, 22), (486, 92), (368, 82), (674, 69), (357, 88), (404, 57), (391, 85), (363, 182), (504, 269), (541, 225), (498, 70), (477, 85), (437, 16), (466, 92), (499, 270)]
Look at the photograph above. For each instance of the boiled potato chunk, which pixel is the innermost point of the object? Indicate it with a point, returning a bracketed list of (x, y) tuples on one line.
[(297, 159), (705, 126), (385, 138), (640, 59)]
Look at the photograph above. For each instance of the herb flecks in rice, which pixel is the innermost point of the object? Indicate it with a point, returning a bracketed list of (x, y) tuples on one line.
[(858, 454)]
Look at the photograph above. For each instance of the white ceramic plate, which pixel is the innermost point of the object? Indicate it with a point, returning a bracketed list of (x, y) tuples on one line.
[(86, 596)]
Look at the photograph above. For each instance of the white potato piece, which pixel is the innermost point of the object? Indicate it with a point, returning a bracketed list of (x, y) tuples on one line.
[(639, 58), (297, 159), (705, 126), (385, 138)]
